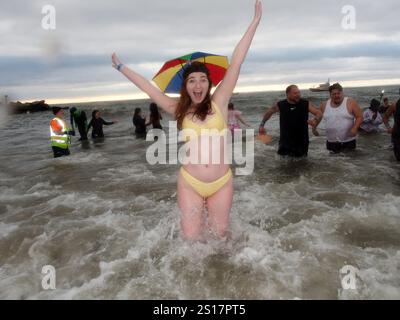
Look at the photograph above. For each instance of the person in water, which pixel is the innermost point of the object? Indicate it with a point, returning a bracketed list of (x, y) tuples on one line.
[(294, 121), (97, 123), (395, 131), (234, 116), (372, 118), (385, 107), (343, 118), (139, 123), (79, 117), (60, 133), (210, 185), (155, 117)]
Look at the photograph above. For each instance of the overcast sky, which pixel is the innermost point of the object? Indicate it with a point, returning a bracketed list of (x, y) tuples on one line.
[(297, 42)]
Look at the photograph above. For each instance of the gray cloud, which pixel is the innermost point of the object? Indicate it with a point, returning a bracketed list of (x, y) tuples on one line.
[(296, 40)]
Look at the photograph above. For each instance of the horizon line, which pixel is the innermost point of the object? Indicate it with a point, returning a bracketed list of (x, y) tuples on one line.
[(243, 89)]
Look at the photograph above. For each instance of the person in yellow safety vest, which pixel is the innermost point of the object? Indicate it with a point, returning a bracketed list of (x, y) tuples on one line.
[(60, 133)]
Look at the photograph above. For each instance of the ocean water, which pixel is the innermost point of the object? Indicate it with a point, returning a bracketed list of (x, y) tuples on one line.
[(109, 224)]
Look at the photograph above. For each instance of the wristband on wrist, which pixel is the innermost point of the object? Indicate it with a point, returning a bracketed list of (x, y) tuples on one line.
[(119, 67)]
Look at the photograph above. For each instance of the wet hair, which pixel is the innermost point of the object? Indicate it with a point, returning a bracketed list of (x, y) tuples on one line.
[(137, 111), (195, 67), (290, 88), (231, 106), (94, 113), (204, 108), (374, 105), (154, 113), (335, 86)]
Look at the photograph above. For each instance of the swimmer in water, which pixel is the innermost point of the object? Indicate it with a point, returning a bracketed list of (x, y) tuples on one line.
[(202, 186), (155, 117), (234, 116), (97, 123), (139, 123)]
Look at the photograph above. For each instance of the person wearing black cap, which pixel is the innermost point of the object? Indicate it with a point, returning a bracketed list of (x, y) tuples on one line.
[(372, 118), (395, 131), (79, 117), (60, 133)]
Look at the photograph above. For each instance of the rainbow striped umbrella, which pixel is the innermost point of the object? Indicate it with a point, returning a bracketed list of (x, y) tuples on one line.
[(170, 78)]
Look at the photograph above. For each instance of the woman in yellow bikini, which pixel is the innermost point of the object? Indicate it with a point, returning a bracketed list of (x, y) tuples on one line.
[(207, 185)]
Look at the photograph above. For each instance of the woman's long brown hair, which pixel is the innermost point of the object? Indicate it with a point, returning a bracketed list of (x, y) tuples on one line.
[(204, 108)]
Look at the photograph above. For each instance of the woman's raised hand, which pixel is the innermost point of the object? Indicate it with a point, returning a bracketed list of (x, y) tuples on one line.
[(258, 11), (115, 60)]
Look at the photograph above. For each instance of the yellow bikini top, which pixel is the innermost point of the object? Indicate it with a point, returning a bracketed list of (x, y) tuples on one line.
[(217, 121)]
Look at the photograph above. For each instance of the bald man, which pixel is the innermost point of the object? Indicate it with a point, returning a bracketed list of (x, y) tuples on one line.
[(294, 121)]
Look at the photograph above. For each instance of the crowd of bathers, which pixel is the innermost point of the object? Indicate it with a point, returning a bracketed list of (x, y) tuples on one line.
[(343, 118)]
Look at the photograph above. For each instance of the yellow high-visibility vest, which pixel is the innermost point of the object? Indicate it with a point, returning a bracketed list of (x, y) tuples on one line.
[(61, 141)]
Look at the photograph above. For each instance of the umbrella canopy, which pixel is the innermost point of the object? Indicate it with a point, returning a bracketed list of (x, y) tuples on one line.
[(170, 78)]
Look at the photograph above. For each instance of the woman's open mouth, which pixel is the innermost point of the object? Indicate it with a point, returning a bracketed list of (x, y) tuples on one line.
[(198, 95)]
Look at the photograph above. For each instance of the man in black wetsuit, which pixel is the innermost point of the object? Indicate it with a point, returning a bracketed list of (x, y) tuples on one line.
[(294, 112), (79, 117), (394, 109)]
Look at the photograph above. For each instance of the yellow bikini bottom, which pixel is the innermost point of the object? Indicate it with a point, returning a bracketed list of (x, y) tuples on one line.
[(206, 189)]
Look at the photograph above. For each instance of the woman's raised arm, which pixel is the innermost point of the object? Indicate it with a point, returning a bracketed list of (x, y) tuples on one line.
[(225, 90), (166, 103)]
